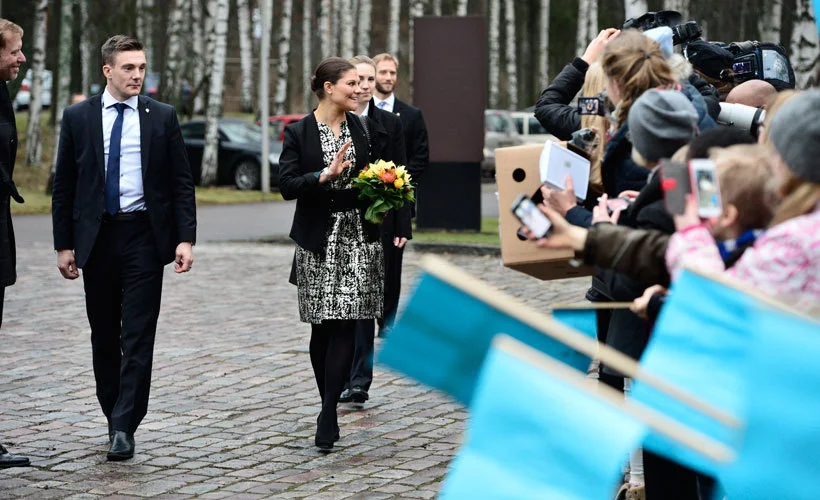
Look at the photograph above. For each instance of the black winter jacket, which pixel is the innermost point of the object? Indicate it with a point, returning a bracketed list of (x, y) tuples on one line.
[(553, 110)]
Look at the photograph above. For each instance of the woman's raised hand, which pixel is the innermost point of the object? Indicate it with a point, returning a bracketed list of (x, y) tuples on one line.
[(339, 163)]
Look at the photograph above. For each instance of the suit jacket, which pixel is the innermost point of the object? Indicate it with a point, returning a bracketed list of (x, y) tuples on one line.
[(78, 199), (8, 154), (301, 158), (415, 138), (387, 143)]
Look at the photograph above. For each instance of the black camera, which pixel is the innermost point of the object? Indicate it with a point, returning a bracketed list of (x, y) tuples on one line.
[(682, 33), (584, 138), (762, 61)]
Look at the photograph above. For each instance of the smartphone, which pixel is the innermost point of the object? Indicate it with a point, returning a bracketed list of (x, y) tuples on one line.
[(613, 204), (591, 106), (531, 216), (675, 182), (704, 182)]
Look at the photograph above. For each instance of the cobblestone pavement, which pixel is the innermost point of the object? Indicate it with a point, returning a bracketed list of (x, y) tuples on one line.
[(233, 406)]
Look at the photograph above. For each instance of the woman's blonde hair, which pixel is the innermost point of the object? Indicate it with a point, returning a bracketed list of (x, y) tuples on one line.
[(636, 64), (799, 198), (594, 84), (771, 108)]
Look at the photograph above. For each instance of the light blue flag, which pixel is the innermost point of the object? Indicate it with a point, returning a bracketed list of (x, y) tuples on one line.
[(780, 455), (583, 320), (701, 345), (817, 14), (443, 335), (533, 436)]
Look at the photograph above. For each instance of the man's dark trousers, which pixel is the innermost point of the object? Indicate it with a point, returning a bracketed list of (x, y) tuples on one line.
[(124, 268)]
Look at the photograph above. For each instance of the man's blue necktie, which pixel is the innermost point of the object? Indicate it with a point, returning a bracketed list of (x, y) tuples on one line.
[(112, 172), (382, 104)]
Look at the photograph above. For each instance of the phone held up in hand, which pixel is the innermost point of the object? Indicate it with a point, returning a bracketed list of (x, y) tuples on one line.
[(531, 216), (698, 177)]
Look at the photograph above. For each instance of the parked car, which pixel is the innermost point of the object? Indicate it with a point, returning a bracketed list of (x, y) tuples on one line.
[(278, 124), (23, 97), (240, 153), (150, 86), (529, 128), (499, 132)]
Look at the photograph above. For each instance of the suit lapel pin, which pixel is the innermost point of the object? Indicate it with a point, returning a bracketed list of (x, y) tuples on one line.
[(147, 110)]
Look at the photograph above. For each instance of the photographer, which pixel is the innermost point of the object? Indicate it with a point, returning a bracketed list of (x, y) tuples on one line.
[(553, 109)]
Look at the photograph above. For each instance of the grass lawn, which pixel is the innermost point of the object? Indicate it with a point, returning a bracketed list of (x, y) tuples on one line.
[(487, 236)]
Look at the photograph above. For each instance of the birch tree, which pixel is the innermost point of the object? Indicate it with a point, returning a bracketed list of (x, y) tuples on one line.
[(805, 56), (210, 156), (681, 6), (495, 14), (346, 27), (582, 34), (325, 15), (307, 50), (38, 63), (335, 19), (436, 7), (416, 10), (635, 8), (145, 31), (171, 81), (243, 16), (284, 55), (365, 15), (85, 48), (769, 22), (461, 8), (64, 71), (198, 35), (512, 60), (393, 28), (543, 42)]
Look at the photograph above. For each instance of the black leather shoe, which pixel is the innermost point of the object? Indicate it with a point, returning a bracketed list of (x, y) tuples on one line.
[(8, 460), (345, 397), (122, 446), (358, 395)]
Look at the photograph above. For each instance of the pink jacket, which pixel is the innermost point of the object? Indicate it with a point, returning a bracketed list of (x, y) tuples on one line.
[(783, 263)]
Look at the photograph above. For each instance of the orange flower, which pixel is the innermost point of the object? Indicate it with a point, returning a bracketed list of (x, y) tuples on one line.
[(388, 177)]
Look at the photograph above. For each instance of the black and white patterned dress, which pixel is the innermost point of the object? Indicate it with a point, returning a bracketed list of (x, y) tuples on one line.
[(347, 280)]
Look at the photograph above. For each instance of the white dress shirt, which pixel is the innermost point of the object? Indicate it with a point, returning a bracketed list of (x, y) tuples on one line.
[(391, 99), (366, 109), (131, 191)]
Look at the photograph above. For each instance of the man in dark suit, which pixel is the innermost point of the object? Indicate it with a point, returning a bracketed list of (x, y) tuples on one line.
[(123, 207), (11, 57), (386, 137), (418, 156)]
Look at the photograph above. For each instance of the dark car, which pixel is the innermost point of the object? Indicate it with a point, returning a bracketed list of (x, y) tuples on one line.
[(240, 152)]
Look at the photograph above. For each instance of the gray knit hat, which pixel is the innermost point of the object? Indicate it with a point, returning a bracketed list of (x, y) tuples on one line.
[(795, 133), (660, 122)]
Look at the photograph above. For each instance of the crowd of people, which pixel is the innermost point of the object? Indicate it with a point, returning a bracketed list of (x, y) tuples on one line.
[(660, 109)]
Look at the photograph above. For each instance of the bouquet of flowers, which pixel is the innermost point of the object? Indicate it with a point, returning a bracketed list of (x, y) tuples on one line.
[(387, 185)]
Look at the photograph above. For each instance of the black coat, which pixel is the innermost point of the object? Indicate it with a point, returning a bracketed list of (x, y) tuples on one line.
[(301, 158), (8, 155), (710, 94), (78, 200), (553, 110), (386, 136), (415, 138)]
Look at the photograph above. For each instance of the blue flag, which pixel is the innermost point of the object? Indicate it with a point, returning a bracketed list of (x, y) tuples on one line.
[(444, 333), (533, 436), (583, 320), (701, 345), (780, 455), (817, 14)]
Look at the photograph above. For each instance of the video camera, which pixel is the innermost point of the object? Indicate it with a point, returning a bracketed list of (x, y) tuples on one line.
[(682, 33)]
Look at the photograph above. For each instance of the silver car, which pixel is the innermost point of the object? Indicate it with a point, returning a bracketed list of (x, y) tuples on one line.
[(499, 132)]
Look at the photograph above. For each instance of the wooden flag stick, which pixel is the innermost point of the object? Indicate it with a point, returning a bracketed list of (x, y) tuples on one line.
[(581, 306), (615, 360), (659, 422)]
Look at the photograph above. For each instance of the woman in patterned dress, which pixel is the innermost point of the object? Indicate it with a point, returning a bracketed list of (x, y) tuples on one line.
[(338, 267)]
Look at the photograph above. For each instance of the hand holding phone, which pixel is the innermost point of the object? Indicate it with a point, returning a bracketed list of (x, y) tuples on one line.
[(528, 213)]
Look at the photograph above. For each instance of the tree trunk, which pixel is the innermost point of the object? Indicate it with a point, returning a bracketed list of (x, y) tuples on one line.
[(393, 28), (243, 16), (543, 43), (769, 22), (436, 7), (365, 20), (510, 54), (284, 55), (681, 6), (335, 27), (210, 155), (170, 83), (63, 71), (38, 63), (347, 26), (307, 52), (325, 16), (85, 49), (805, 56), (461, 8), (416, 10), (199, 35), (582, 33), (495, 14), (145, 32), (635, 8)]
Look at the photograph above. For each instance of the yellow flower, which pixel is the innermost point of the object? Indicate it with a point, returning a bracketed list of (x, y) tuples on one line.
[(399, 182)]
